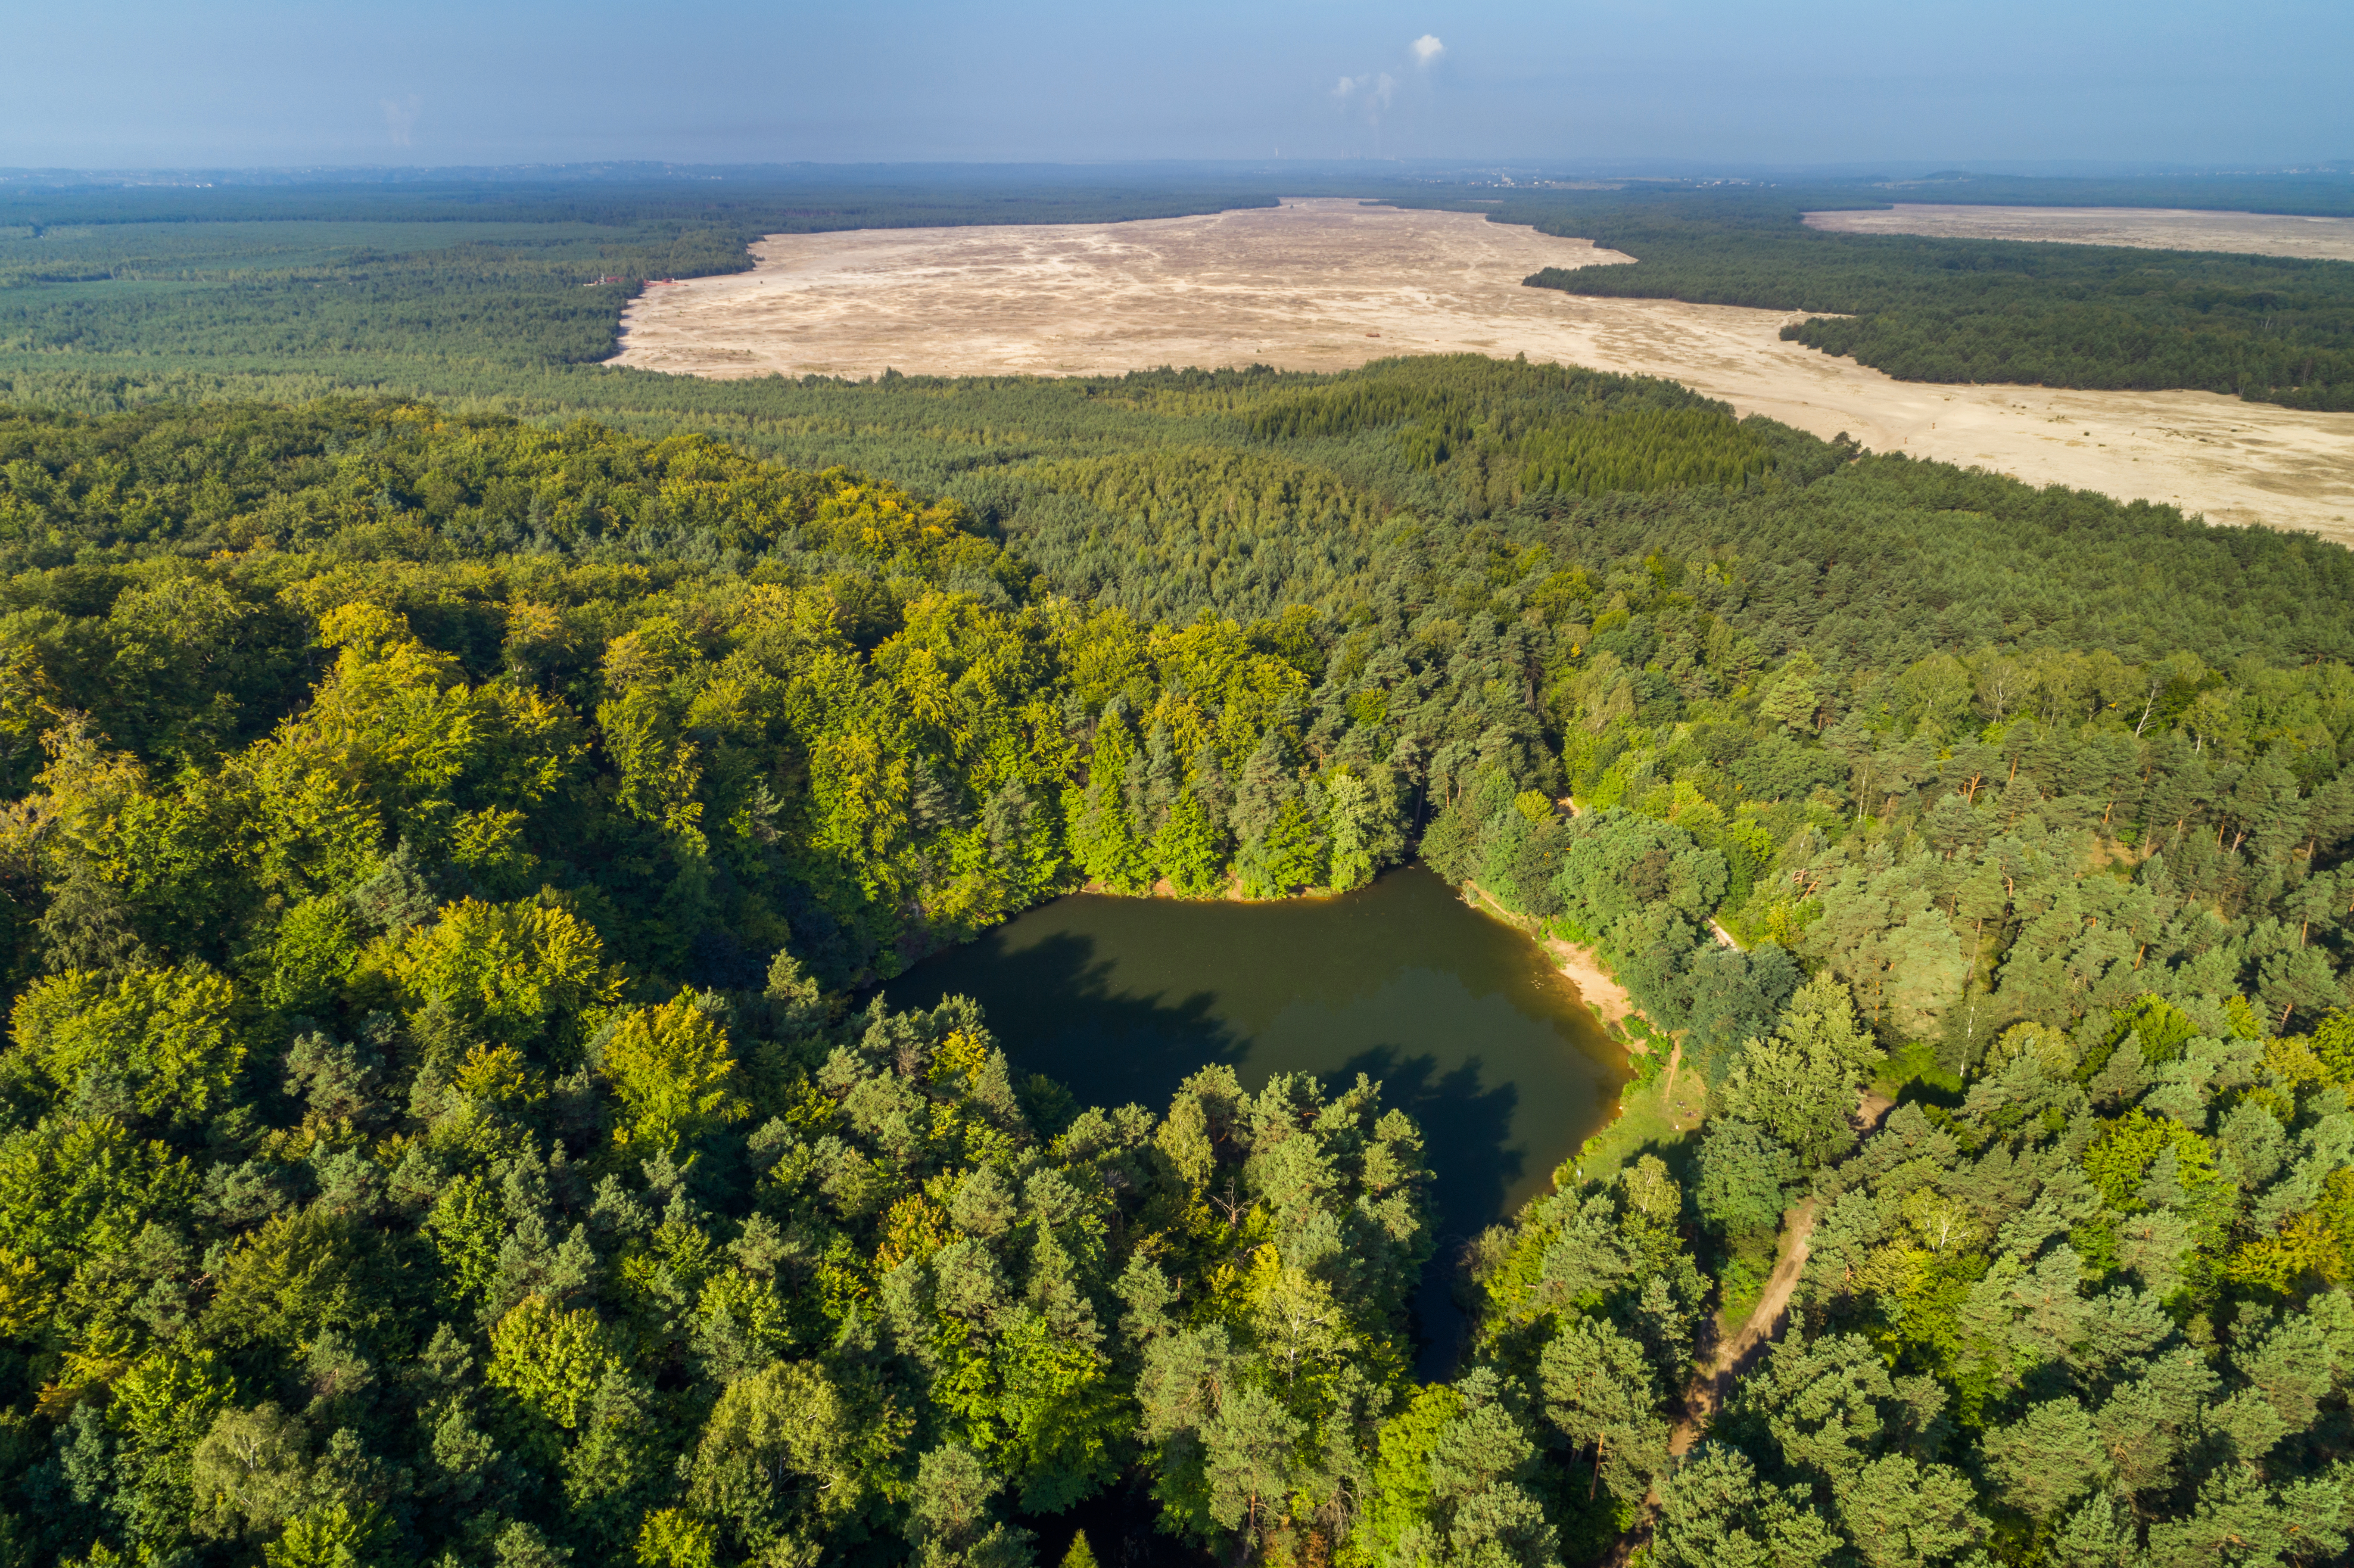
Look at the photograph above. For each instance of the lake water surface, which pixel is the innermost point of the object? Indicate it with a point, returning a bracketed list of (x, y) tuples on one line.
[(1468, 1026)]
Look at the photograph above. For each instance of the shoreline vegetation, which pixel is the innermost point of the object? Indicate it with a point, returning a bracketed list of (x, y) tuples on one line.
[(437, 850)]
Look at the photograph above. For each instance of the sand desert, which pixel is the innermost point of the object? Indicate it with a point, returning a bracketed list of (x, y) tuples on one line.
[(2157, 228), (1327, 284)]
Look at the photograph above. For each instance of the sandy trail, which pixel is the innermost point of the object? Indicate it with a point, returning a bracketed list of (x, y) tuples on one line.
[(1711, 1383), (1328, 284), (2157, 228)]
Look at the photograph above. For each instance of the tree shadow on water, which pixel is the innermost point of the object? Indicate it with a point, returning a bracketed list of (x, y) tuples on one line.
[(1467, 1138), (1052, 1007)]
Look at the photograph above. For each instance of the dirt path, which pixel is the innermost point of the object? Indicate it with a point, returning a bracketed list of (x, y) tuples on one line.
[(1328, 284), (1710, 1383)]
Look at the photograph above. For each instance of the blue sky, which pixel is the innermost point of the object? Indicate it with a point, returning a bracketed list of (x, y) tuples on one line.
[(137, 83)]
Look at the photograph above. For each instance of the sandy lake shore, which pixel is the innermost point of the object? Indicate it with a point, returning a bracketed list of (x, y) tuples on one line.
[(1328, 284), (1597, 987)]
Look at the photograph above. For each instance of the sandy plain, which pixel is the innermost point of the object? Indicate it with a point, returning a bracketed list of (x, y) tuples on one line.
[(2157, 228), (1328, 284)]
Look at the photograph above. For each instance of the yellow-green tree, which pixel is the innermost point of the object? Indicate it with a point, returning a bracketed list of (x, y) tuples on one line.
[(159, 1044), (674, 1075)]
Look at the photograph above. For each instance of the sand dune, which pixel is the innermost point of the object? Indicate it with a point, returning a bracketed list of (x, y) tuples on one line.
[(1328, 284), (2157, 228)]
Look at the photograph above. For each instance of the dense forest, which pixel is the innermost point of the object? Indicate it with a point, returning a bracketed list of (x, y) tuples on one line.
[(2271, 329), (444, 1117)]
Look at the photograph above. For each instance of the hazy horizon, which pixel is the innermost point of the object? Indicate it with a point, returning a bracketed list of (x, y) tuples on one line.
[(1319, 171), (138, 84)]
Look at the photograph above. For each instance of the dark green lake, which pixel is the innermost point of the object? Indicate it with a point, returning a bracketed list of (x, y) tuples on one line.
[(1468, 1026)]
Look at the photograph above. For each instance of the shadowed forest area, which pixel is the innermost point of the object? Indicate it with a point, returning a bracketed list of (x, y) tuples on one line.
[(447, 860)]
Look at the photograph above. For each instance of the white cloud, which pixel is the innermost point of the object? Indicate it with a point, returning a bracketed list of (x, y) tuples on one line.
[(1427, 48), (400, 118), (1373, 91)]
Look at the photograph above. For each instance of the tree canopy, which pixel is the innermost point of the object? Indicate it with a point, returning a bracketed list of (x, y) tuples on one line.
[(446, 860)]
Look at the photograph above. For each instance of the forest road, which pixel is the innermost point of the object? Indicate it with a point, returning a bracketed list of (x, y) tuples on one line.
[(1705, 1396), (1709, 1385)]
